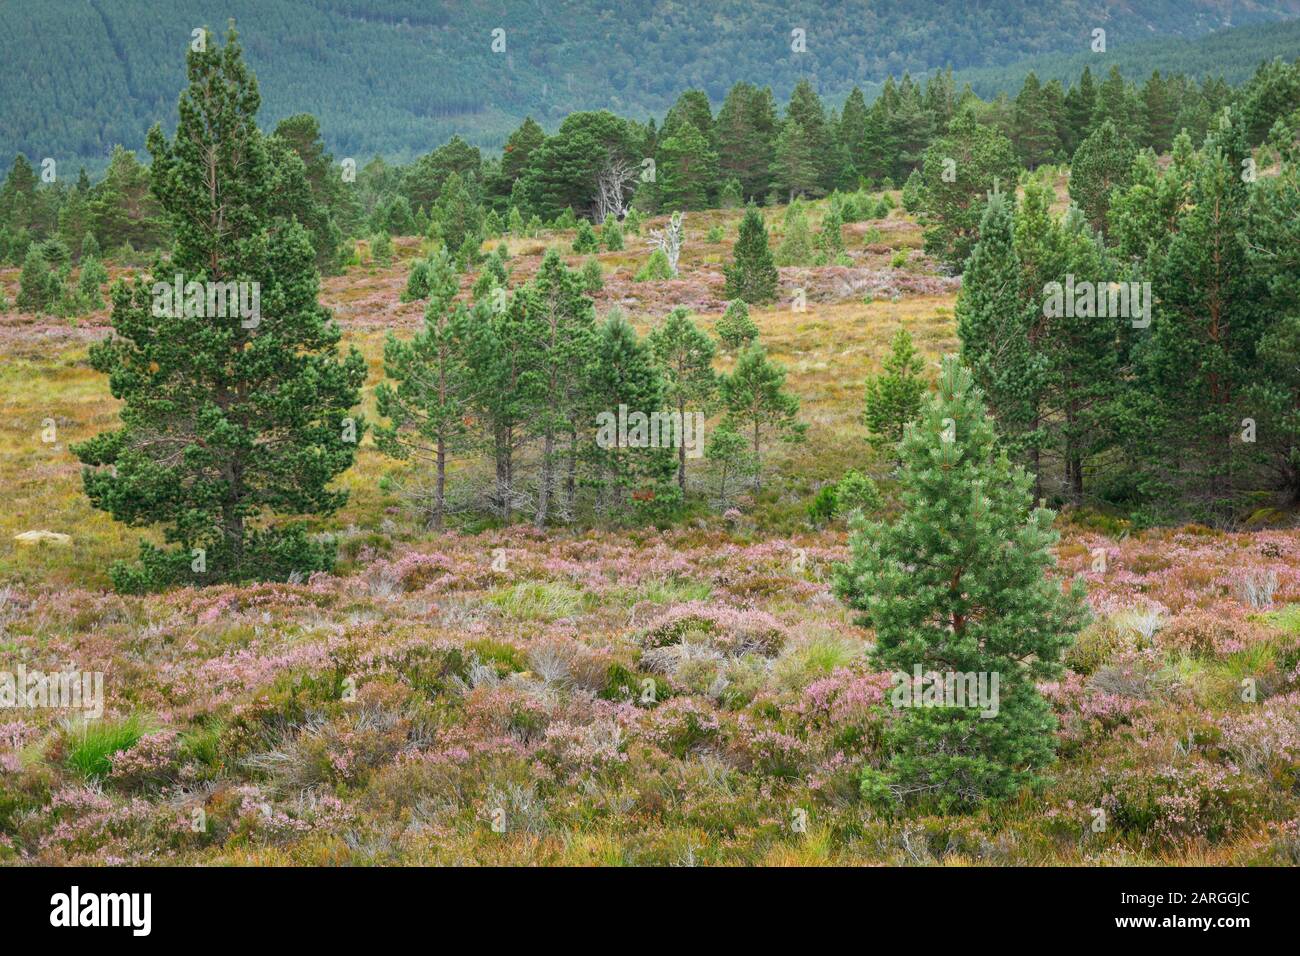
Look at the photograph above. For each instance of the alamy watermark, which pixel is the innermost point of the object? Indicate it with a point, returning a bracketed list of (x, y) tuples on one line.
[(654, 430), (71, 690), (977, 690), (208, 300), (1101, 300)]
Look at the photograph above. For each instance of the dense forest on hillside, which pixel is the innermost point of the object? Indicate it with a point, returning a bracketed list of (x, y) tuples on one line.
[(404, 75)]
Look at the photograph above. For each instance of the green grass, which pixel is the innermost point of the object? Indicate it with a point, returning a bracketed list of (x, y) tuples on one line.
[(90, 752), (538, 601)]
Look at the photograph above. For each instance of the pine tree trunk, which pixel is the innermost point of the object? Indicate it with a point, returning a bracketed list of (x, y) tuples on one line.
[(1076, 479), (503, 472), (440, 489), (548, 475), (571, 481), (681, 449)]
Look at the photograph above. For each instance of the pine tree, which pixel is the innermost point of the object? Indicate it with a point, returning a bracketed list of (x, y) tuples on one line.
[(993, 323), (611, 234), (958, 585), (757, 403), (736, 330), (519, 147), (585, 240), (505, 384), (123, 208), (311, 194), (752, 276), (623, 373), (1116, 105), (912, 129), (562, 340), (684, 355), (830, 241), (456, 214), (1080, 102), (746, 132), (853, 130), (381, 249), (912, 191), (418, 281), (226, 420), (731, 196), (34, 282), (893, 398), (515, 222), (960, 170), (1102, 163), (18, 199), (428, 406), (1079, 354), (796, 247), (1275, 255), (1200, 361), (686, 169), (592, 278), (805, 109), (794, 167), (1158, 114), (1035, 131), (93, 275), (731, 462)]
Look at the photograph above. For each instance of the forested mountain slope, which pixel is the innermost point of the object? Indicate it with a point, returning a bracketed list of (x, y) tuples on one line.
[(399, 76)]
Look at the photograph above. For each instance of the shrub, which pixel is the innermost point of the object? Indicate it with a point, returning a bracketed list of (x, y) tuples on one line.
[(90, 751), (727, 629), (736, 329), (585, 240), (655, 269), (612, 234)]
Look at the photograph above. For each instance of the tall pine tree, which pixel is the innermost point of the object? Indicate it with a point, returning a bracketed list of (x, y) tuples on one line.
[(226, 420)]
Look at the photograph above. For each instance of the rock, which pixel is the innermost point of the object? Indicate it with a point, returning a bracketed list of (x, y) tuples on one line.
[(43, 537)]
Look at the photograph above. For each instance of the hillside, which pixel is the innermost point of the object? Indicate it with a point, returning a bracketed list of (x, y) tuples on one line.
[(485, 686), (405, 76)]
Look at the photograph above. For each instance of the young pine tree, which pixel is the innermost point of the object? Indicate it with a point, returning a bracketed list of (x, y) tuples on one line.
[(830, 241), (226, 420), (417, 282), (561, 334), (893, 398), (752, 276), (611, 234), (623, 372), (959, 584), (585, 240), (684, 355), (93, 275), (758, 405), (34, 282), (736, 329), (428, 405), (993, 323), (796, 247)]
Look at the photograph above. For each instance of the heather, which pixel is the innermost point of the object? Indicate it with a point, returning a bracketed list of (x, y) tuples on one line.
[(669, 700)]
